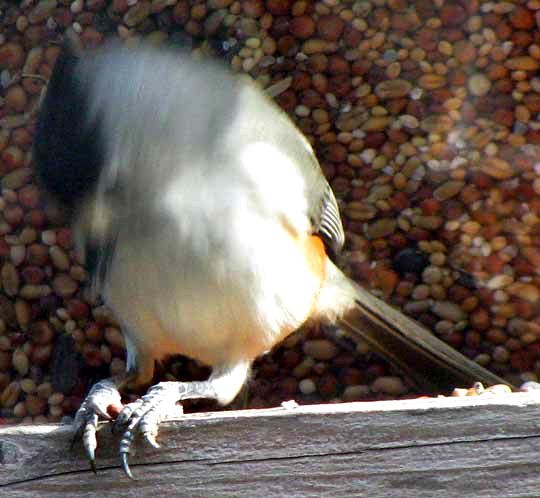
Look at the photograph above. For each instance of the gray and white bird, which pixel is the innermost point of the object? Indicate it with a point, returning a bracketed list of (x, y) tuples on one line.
[(206, 224)]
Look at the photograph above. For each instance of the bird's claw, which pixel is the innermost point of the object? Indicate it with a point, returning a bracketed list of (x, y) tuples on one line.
[(125, 465), (125, 448), (89, 439)]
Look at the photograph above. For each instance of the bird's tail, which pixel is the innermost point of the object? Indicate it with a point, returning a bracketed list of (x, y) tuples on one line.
[(430, 363)]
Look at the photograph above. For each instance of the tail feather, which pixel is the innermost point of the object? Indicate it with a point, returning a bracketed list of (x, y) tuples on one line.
[(430, 363)]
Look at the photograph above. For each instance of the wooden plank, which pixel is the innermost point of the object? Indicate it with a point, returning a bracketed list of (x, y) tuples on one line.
[(451, 447)]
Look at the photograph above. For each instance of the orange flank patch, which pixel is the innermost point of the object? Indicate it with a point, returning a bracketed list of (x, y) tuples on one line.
[(313, 247)]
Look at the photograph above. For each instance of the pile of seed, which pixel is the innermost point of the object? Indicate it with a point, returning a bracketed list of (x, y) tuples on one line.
[(424, 117)]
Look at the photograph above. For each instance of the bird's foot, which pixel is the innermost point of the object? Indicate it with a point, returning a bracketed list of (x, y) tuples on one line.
[(103, 397), (145, 414)]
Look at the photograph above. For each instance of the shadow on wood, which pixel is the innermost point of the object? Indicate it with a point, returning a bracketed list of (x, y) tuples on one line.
[(455, 447)]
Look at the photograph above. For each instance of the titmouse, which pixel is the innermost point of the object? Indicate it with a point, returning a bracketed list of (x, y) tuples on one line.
[(206, 224)]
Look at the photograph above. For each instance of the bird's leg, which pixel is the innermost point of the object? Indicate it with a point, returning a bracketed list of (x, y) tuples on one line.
[(145, 414), (102, 395)]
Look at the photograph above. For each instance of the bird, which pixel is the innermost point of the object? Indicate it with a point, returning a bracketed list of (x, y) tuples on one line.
[(206, 224)]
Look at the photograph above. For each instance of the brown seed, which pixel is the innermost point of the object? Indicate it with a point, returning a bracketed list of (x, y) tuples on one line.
[(503, 117), (59, 258), (13, 214), (327, 385), (64, 285), (10, 395), (19, 410), (479, 319), (33, 60), (522, 63), (11, 55), (522, 18), (389, 385), (41, 355), (287, 46), (90, 38), (180, 12), (320, 349), (253, 8), (317, 45), (28, 386), (393, 70), (42, 332), (137, 14), (5, 361), (78, 273), (37, 254), (77, 309), (12, 157), (279, 7), (48, 237), (448, 190), (448, 311), (392, 89), (356, 392), (497, 168), (4, 138), (431, 81), (381, 228), (528, 292), (377, 123), (16, 98), (16, 179), (20, 362), (33, 275), (330, 27), (23, 313), (532, 101), (338, 65), (92, 355), (465, 51), (64, 238), (198, 11), (35, 405), (94, 333), (41, 11), (427, 222), (522, 114), (452, 14), (56, 398), (78, 336), (5, 342), (34, 291), (10, 279), (302, 27), (479, 84), (8, 317), (358, 210), (21, 138)]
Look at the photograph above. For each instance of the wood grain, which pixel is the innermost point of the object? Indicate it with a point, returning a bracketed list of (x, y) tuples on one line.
[(450, 447)]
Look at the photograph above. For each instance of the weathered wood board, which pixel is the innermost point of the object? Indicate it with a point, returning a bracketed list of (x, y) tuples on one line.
[(446, 447)]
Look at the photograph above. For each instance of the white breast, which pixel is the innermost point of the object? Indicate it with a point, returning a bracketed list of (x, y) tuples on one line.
[(220, 278)]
